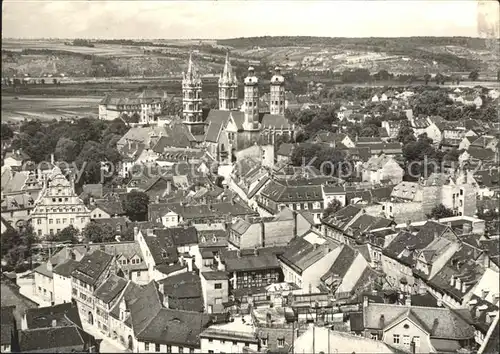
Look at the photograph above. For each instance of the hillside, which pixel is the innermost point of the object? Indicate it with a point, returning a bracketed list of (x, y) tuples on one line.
[(126, 58)]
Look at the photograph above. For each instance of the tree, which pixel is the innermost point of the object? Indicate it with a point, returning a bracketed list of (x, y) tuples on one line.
[(427, 78), (97, 233), (10, 239), (334, 206), (68, 234), (439, 212), (474, 75), (7, 132), (135, 205), (406, 135), (66, 150)]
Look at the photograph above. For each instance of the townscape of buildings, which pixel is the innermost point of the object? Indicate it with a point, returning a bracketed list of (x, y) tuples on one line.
[(240, 252)]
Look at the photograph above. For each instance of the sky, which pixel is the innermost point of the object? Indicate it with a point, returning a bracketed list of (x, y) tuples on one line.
[(229, 19)]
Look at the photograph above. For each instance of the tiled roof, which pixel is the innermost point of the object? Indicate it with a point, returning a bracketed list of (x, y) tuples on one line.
[(215, 210), (285, 193), (64, 314), (251, 262), (301, 254), (92, 266), (341, 264), (405, 244), (286, 149), (7, 325), (488, 178), (175, 327), (215, 275), (184, 291), (66, 267), (144, 307), (180, 236), (112, 207), (480, 153), (342, 217), (162, 248), (131, 291), (50, 339), (93, 190), (110, 289), (10, 296), (438, 322), (212, 238), (377, 162), (493, 342)]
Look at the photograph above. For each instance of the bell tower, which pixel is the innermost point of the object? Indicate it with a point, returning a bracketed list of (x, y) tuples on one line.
[(228, 88), (251, 102), (191, 99), (277, 96)]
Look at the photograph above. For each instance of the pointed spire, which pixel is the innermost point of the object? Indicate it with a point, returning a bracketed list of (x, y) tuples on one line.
[(227, 76), (190, 63)]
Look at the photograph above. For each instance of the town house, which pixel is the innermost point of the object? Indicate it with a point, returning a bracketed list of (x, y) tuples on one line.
[(215, 285), (58, 208), (307, 258), (91, 272), (382, 167)]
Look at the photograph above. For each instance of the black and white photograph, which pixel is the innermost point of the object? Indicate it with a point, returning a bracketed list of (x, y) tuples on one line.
[(250, 176)]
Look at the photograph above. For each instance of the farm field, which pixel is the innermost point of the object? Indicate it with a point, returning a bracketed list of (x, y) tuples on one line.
[(47, 108)]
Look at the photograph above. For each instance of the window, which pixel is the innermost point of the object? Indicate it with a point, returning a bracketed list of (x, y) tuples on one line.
[(218, 301), (146, 346), (406, 340), (395, 339), (157, 347), (210, 352), (72, 221), (235, 342), (58, 221), (51, 221), (264, 342), (64, 221), (374, 336), (210, 340), (416, 340), (218, 286), (281, 342), (39, 221)]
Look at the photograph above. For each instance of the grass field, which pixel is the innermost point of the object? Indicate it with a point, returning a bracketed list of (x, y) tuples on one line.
[(47, 108)]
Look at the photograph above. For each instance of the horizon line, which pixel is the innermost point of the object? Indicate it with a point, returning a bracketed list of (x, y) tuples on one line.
[(229, 38)]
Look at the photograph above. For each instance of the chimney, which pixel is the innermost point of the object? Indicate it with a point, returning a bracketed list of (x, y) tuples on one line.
[(408, 225), (466, 229), (136, 232), (150, 232), (408, 300), (157, 199), (294, 213), (54, 323), (255, 251), (238, 253), (471, 304), (365, 301), (382, 322), (435, 325), (52, 160), (262, 234), (458, 284), (484, 293), (315, 245), (118, 238), (439, 303), (480, 310), (486, 259)]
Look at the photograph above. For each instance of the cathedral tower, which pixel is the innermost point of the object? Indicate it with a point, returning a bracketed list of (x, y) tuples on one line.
[(228, 88), (191, 99), (251, 102), (277, 96)]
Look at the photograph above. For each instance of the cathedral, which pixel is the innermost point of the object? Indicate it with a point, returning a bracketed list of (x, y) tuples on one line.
[(231, 128)]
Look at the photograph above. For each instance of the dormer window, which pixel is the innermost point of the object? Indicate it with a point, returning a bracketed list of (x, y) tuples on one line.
[(164, 254)]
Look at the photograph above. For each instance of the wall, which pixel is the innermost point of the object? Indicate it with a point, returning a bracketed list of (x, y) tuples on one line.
[(392, 171), (62, 289), (395, 271), (139, 347), (44, 287), (412, 331), (98, 213), (404, 211), (224, 346), (210, 294)]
